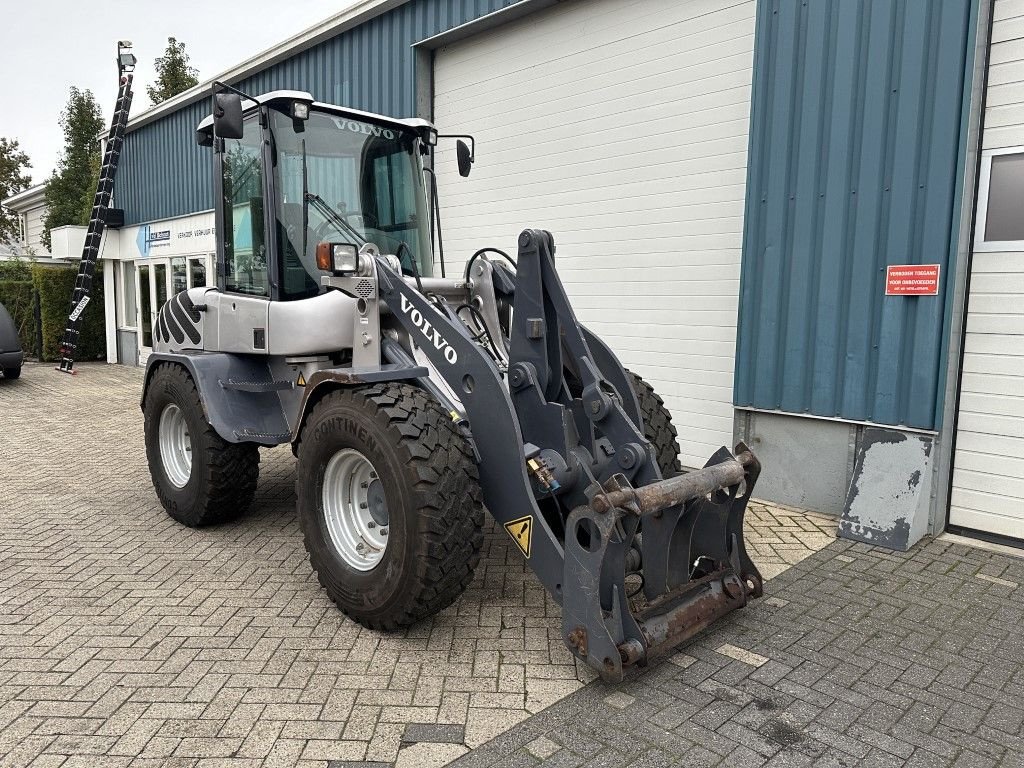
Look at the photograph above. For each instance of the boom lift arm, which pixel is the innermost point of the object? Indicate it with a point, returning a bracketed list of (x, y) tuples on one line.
[(537, 439)]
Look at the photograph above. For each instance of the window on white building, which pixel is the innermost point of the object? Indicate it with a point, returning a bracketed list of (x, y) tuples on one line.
[(179, 275), (1000, 225), (196, 271), (129, 307)]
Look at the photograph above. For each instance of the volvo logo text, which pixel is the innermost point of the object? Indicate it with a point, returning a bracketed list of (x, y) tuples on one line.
[(365, 128), (433, 335)]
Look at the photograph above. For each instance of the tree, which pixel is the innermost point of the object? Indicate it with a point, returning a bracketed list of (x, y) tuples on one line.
[(70, 191), (14, 165), (174, 75)]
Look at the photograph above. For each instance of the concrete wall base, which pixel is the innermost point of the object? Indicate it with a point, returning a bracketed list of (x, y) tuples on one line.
[(890, 494), (806, 463), (877, 480)]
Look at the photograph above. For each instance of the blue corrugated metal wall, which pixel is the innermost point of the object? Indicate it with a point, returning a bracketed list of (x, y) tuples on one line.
[(368, 67), (854, 164)]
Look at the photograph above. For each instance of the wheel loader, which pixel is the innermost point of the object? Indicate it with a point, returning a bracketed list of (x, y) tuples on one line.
[(415, 402)]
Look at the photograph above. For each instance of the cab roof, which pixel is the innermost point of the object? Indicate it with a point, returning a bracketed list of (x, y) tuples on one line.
[(410, 124)]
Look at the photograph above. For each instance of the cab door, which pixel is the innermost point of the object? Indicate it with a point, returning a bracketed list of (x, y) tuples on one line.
[(244, 276)]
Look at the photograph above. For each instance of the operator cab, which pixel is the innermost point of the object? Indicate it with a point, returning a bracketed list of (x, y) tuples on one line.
[(296, 179)]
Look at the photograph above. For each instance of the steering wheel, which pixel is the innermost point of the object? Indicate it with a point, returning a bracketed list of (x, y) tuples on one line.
[(324, 227), (366, 219), (320, 231)]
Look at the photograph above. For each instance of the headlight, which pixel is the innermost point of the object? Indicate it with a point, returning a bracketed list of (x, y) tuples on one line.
[(340, 258), (300, 110)]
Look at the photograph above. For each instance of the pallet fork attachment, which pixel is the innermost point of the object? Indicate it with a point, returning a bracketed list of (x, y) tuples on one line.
[(638, 562)]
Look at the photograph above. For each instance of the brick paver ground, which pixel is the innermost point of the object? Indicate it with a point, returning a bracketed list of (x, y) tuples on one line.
[(126, 639), (858, 657)]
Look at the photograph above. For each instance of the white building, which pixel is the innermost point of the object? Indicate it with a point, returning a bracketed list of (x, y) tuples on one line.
[(30, 207)]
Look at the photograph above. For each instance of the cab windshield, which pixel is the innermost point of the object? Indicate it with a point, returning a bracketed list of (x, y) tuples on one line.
[(344, 180)]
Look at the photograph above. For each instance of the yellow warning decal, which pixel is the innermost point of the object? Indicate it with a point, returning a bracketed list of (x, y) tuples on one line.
[(301, 381), (521, 531)]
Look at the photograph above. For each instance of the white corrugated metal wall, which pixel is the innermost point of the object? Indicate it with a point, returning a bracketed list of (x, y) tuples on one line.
[(621, 127), (988, 467)]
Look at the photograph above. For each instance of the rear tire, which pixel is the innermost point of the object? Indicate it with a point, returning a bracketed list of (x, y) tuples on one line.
[(658, 428), (399, 439), (12, 373), (200, 478)]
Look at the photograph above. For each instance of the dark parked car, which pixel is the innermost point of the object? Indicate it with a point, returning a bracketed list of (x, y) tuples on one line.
[(11, 355)]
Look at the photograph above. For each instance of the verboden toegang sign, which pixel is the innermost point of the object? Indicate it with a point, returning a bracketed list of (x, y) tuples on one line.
[(912, 280)]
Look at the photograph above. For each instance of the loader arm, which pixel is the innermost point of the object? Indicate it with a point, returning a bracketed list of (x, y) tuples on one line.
[(582, 452), (473, 375)]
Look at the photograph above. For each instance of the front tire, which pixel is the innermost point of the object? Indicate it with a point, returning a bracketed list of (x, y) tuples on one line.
[(389, 503), (12, 373), (200, 478), (658, 427)]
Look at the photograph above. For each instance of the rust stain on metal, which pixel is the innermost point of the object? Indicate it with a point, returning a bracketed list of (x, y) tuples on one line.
[(578, 639), (692, 614), (655, 497)]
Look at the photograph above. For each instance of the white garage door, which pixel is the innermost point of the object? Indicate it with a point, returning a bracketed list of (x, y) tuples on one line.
[(621, 127), (988, 466)]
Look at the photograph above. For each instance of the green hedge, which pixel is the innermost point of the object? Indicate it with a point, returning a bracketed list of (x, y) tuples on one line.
[(54, 286), (16, 296)]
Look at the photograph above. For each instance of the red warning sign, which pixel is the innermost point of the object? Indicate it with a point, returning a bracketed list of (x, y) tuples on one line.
[(912, 280)]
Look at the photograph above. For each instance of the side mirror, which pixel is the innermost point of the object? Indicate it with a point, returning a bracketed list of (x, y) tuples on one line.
[(227, 115), (465, 158)]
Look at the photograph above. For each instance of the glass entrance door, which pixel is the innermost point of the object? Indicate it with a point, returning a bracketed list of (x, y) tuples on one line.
[(146, 314), (154, 287), (160, 286)]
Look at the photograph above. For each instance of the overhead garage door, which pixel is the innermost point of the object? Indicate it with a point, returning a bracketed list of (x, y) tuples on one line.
[(988, 466), (621, 127)]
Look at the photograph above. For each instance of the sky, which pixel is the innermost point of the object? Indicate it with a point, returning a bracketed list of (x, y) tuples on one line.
[(47, 46)]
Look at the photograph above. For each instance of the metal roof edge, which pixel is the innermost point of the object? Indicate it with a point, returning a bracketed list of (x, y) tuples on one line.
[(352, 16), (415, 123), (509, 13), (29, 195)]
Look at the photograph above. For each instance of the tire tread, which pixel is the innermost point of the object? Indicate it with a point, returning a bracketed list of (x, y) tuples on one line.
[(658, 427), (448, 496), (232, 469)]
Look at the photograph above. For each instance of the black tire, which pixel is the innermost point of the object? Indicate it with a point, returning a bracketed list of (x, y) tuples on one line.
[(12, 373), (658, 428), (222, 481), (432, 492)]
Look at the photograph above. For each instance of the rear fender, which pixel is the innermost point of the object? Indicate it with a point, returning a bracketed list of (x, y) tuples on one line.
[(240, 396), (239, 414)]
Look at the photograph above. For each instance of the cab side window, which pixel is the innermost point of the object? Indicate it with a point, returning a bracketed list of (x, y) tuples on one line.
[(392, 198), (245, 253)]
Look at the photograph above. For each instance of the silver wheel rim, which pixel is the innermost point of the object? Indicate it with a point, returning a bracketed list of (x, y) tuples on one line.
[(175, 446), (355, 510)]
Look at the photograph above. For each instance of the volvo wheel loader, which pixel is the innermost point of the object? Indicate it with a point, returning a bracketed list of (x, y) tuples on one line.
[(414, 403)]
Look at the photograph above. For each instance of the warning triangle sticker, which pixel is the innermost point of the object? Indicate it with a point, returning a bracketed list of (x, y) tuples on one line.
[(521, 531), (301, 382)]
